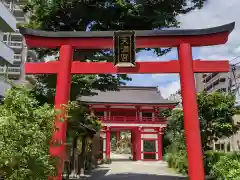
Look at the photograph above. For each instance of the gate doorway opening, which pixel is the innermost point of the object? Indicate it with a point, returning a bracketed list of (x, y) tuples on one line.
[(121, 145)]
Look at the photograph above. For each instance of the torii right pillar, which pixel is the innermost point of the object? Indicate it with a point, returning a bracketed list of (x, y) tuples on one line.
[(190, 110)]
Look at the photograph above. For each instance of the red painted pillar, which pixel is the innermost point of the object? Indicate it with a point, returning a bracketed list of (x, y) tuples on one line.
[(191, 122), (108, 143), (118, 135), (57, 148), (138, 113), (108, 113), (138, 144), (133, 144), (160, 153), (156, 111)]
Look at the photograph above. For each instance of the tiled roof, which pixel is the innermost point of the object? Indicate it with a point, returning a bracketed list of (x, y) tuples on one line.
[(128, 95)]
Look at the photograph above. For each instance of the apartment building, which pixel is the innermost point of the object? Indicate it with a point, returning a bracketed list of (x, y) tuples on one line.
[(224, 82), (176, 96), (15, 41), (7, 24)]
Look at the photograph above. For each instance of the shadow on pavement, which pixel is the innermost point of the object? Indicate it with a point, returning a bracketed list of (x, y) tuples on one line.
[(101, 175), (120, 160)]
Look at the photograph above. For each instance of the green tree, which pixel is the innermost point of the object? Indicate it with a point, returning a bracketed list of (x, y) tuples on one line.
[(96, 15), (78, 15), (25, 133), (216, 111), (80, 121)]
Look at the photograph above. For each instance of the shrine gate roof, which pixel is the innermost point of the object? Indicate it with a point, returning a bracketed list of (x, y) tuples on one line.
[(91, 34), (128, 95)]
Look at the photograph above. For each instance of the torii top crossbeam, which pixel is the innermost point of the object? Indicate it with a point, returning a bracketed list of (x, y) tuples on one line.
[(144, 39)]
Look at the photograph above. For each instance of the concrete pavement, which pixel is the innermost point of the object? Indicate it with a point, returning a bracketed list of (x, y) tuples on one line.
[(134, 170)]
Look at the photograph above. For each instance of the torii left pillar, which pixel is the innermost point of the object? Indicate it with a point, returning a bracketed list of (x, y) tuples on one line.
[(57, 148)]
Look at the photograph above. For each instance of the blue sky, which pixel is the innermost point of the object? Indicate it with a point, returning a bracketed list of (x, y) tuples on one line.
[(214, 13), (168, 83)]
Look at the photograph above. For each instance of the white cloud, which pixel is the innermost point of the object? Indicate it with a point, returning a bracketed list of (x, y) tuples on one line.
[(164, 78), (150, 56), (171, 88), (216, 13)]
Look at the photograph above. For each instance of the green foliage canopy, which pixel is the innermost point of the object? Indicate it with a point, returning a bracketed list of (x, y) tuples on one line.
[(216, 111), (96, 15), (80, 114), (25, 133)]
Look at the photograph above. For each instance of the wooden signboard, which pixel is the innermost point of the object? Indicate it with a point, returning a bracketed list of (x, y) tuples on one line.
[(124, 48)]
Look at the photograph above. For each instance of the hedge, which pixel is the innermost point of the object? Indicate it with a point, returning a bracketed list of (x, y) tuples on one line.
[(217, 165)]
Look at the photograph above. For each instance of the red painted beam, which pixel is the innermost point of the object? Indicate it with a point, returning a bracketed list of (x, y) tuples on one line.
[(141, 42), (131, 122), (109, 68), (206, 66), (141, 67), (93, 105), (42, 68)]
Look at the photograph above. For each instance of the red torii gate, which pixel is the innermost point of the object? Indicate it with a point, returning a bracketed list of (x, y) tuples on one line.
[(184, 40)]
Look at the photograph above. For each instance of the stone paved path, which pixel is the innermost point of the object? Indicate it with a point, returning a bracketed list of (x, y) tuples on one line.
[(122, 169)]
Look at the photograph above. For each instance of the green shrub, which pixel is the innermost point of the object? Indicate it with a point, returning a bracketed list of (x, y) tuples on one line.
[(107, 161), (178, 161), (177, 156), (25, 133), (165, 157), (227, 168), (210, 159)]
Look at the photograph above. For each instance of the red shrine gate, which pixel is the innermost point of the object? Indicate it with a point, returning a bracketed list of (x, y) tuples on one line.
[(133, 108), (184, 40)]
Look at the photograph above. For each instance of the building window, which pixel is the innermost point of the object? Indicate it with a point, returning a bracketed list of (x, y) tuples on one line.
[(99, 113), (222, 146), (217, 147), (228, 147), (222, 79), (5, 38), (209, 77), (222, 90), (149, 149), (146, 114)]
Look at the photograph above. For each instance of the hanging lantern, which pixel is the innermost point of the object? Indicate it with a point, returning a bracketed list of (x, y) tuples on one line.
[(124, 48)]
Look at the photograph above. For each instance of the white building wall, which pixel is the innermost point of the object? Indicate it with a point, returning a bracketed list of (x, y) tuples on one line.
[(13, 44), (7, 20), (7, 24)]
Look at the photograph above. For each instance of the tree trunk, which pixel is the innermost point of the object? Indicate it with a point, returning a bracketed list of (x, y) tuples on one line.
[(73, 161), (82, 156)]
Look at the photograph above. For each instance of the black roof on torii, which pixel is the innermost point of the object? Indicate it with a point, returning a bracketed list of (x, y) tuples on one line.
[(139, 33)]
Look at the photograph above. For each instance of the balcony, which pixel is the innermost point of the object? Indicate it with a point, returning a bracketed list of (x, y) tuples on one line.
[(7, 20), (18, 58), (133, 119), (15, 44), (21, 19), (6, 54), (10, 70), (14, 71), (18, 7)]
